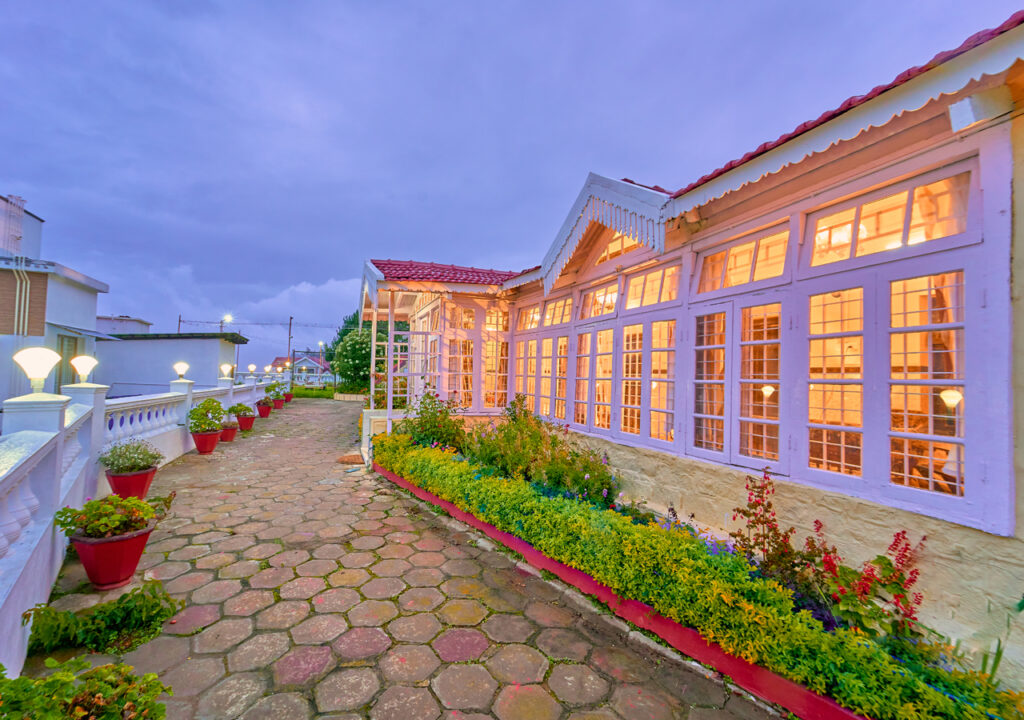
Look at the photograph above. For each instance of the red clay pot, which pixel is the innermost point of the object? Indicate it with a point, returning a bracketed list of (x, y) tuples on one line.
[(111, 562), (228, 434), (278, 403), (131, 484), (245, 421), (263, 410), (288, 397), (206, 442)]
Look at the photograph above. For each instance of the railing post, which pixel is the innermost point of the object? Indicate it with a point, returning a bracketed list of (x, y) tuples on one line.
[(39, 412), (183, 387), (94, 396), (229, 383)]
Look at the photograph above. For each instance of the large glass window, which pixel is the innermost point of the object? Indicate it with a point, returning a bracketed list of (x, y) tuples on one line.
[(582, 392), (909, 216), (709, 382), (495, 373), (600, 301), (759, 381), (663, 364), (835, 381), (651, 288), (632, 378), (529, 318), (603, 361), (460, 372), (520, 366), (558, 312), (531, 375), (546, 353), (620, 245), (561, 375), (465, 318), (926, 387), (496, 320), (758, 259)]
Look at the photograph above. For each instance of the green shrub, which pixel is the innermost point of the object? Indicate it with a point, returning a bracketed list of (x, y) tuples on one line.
[(110, 516), (107, 692), (130, 457), (241, 410), (114, 627), (750, 617), (435, 422), (351, 361), (206, 417), (304, 392)]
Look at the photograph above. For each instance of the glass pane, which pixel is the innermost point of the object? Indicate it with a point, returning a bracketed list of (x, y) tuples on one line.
[(928, 300), (709, 399), (710, 364), (840, 311), (652, 288), (740, 260), (711, 272), (631, 420), (708, 433), (835, 450), (635, 292), (929, 465), (605, 338), (836, 358), (928, 410), (771, 256), (670, 288), (832, 237), (710, 329), (662, 426), (661, 396), (761, 322), (940, 209), (829, 404), (759, 440), (881, 224), (936, 355), (663, 334)]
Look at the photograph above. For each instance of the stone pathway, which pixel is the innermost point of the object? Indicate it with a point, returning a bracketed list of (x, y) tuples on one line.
[(316, 589)]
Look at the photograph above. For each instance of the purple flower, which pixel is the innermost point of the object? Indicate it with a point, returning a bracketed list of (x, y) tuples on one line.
[(587, 476), (88, 499), (604, 493)]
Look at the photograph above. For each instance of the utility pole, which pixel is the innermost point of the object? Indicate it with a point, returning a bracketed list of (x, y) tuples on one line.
[(179, 323), (289, 353)]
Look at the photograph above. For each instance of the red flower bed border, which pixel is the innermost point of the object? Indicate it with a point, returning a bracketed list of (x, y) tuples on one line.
[(755, 679)]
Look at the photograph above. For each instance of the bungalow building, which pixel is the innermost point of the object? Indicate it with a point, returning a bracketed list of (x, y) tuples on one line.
[(838, 306)]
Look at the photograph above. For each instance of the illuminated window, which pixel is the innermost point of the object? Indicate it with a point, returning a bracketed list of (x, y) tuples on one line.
[(529, 318), (465, 318), (709, 383), (603, 361), (582, 377), (657, 286), (520, 366), (558, 312), (926, 388), (531, 375), (495, 373), (759, 259), (546, 352), (835, 389), (561, 375), (600, 301), (619, 245), (663, 363), (936, 210), (759, 381), (632, 374), (496, 320), (460, 372)]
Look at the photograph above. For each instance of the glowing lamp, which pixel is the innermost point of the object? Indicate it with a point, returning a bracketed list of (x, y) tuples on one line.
[(266, 368), (225, 370), (83, 365), (37, 362), (952, 397), (767, 391), (252, 367), (320, 343), (181, 368), (228, 318)]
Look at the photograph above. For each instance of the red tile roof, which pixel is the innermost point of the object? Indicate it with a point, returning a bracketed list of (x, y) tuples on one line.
[(435, 272), (979, 38)]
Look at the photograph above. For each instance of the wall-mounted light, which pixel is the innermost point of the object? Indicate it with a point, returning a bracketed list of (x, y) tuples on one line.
[(83, 365), (181, 368), (37, 362), (225, 370), (952, 397)]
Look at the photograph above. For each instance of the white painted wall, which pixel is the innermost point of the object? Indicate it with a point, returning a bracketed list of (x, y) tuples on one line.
[(69, 303), (125, 324), (140, 367)]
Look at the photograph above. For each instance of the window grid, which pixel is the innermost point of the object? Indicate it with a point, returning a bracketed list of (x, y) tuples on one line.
[(495, 376), (651, 288), (558, 312), (460, 372), (603, 361), (582, 386), (663, 362), (546, 352), (600, 301), (496, 320), (759, 259), (561, 375), (529, 318), (632, 378), (531, 375), (760, 350), (465, 318), (620, 245), (709, 382)]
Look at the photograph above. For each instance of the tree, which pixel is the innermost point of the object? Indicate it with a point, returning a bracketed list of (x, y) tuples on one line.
[(348, 324), (352, 359)]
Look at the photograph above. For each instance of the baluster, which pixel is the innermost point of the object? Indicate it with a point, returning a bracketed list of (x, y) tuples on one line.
[(10, 527), (28, 498)]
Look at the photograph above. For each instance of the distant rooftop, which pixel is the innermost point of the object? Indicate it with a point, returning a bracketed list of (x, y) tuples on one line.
[(436, 272)]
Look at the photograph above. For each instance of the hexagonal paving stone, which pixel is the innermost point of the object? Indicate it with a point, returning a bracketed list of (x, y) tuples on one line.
[(465, 687), (637, 702), (258, 652), (465, 588), (577, 684), (167, 570), (261, 551), (623, 665), (229, 697), (599, 714), (240, 569), (282, 615), (419, 628), (405, 703), (222, 635), (357, 559), (380, 588), (462, 612), (461, 567), (460, 644), (351, 577), (409, 663), (216, 591), (395, 552), (527, 701), (372, 612), (316, 568), (191, 619), (346, 690), (281, 706), (335, 600), (249, 602), (328, 552), (234, 543), (271, 577), (158, 654), (424, 577), (508, 628), (319, 629), (390, 568), (367, 542), (217, 560), (560, 644), (518, 664), (427, 559), (361, 643), (402, 537), (303, 666), (548, 615), (430, 544), (192, 677), (420, 600), (188, 582), (190, 552), (302, 588)]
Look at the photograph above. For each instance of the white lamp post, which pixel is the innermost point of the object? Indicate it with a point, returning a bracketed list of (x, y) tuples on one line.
[(38, 410), (225, 370), (83, 365), (37, 362)]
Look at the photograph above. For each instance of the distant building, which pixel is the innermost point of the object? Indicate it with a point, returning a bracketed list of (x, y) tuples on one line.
[(41, 302), (310, 368), (112, 324)]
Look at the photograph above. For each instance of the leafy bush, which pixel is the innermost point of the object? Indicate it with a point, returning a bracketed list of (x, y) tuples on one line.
[(435, 422), (351, 361), (716, 594), (241, 410), (130, 457), (206, 416), (265, 402), (275, 390), (111, 516), (115, 627), (229, 425), (305, 392), (107, 692)]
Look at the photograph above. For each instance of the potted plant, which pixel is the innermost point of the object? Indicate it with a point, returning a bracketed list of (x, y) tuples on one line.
[(275, 392), (130, 467), (110, 534), (204, 422), (263, 406), (243, 414), (229, 428), (288, 396)]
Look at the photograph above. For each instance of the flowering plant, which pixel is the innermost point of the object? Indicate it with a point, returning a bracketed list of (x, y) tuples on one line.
[(111, 516), (265, 402), (131, 456), (435, 422), (240, 410), (206, 416)]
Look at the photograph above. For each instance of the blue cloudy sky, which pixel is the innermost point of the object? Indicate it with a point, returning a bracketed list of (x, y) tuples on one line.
[(245, 157)]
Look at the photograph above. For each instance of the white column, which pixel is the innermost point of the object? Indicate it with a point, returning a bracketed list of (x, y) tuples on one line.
[(391, 356), (373, 346), (229, 383), (95, 396), (183, 387)]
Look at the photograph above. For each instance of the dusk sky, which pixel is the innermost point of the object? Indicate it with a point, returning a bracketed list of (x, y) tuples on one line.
[(246, 157)]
